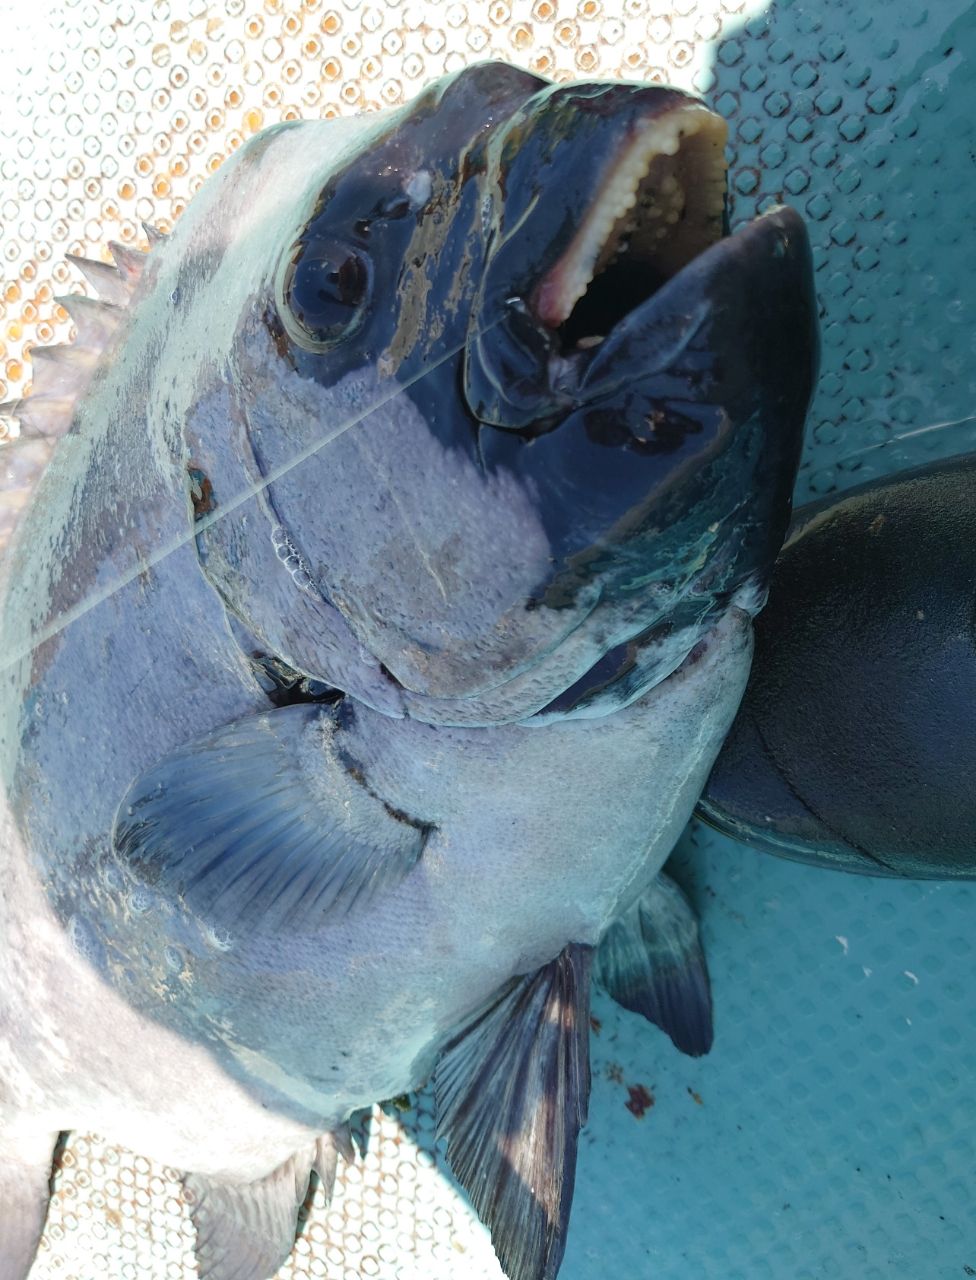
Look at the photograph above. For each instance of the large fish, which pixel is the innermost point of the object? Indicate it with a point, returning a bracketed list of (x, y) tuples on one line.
[(368, 641), (855, 745)]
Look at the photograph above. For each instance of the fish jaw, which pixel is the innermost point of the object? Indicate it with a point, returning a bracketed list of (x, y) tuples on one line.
[(499, 563), (661, 451), (690, 423), (583, 178), (648, 341)]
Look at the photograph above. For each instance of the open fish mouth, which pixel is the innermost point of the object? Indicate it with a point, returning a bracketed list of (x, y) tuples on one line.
[(661, 205), (607, 452), (609, 195)]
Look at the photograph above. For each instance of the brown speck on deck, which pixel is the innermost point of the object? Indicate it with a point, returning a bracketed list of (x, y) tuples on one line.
[(640, 1101), (596, 1024), (696, 1097)]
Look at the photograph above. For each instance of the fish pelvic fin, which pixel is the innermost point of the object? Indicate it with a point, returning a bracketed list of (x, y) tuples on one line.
[(25, 1192), (651, 961), (512, 1092), (246, 1230)]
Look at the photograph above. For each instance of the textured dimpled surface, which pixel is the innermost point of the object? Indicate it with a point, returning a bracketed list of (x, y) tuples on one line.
[(832, 1130)]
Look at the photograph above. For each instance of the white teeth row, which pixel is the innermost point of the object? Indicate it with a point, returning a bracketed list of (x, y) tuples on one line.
[(620, 194), (659, 210)]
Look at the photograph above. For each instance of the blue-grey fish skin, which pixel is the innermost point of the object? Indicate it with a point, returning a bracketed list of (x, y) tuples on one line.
[(540, 629)]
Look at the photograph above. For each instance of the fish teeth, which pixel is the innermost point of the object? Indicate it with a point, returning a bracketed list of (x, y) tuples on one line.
[(596, 243)]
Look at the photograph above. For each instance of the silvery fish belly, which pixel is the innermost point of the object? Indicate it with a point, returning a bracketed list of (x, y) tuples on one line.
[(369, 637)]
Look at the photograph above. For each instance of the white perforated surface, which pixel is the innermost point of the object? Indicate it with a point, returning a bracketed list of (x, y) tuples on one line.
[(831, 1131)]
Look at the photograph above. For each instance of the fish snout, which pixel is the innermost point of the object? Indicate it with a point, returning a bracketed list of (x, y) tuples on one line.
[(677, 462)]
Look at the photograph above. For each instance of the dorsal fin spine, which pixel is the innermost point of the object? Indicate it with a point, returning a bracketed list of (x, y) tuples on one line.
[(63, 372)]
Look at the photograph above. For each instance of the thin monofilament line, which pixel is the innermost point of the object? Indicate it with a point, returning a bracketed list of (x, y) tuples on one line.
[(908, 435), (167, 549)]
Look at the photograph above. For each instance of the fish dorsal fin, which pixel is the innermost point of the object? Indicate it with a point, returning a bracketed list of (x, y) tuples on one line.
[(245, 1231), (512, 1092), (62, 372), (130, 263), (650, 960), (328, 1149), (104, 277), (95, 321)]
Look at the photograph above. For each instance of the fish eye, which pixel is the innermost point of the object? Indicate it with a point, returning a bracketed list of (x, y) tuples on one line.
[(324, 288)]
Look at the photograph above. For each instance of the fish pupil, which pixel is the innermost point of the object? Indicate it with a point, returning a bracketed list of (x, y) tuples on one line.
[(327, 286)]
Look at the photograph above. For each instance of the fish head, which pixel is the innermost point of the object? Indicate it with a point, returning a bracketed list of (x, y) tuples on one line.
[(520, 408)]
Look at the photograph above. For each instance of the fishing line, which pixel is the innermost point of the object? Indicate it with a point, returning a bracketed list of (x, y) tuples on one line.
[(226, 508), (907, 435), (200, 526)]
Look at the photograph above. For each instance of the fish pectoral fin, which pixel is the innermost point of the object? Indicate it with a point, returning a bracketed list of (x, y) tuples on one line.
[(512, 1092), (25, 1191), (246, 1230), (267, 824), (651, 961)]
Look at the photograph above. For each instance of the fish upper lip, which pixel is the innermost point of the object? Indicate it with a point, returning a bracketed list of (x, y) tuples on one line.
[(635, 203), (611, 245), (661, 203)]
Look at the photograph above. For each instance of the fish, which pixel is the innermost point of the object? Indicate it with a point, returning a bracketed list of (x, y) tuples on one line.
[(855, 745), (368, 637)]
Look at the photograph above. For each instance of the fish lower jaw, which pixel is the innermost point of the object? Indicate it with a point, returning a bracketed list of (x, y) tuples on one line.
[(635, 667)]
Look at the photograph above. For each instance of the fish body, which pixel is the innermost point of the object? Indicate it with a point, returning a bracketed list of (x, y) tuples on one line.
[(855, 745), (369, 638)]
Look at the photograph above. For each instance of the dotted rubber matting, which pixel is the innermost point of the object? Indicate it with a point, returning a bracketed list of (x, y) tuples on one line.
[(832, 1130)]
